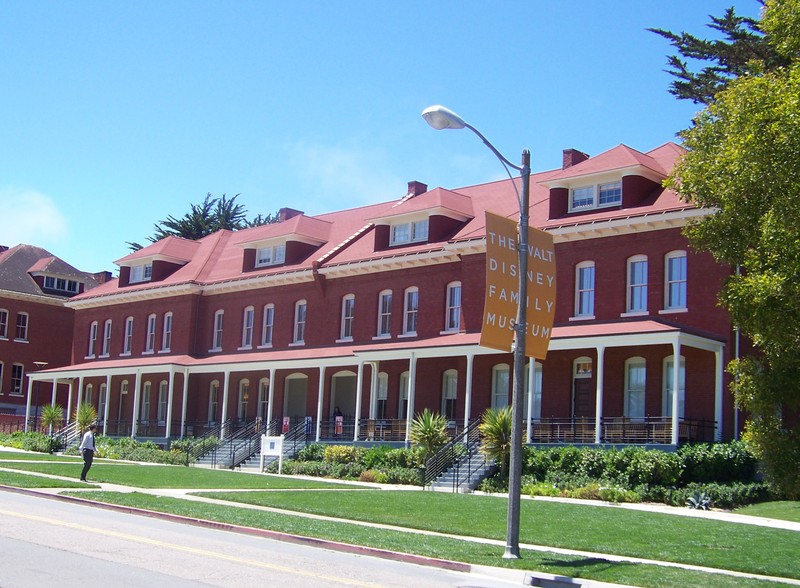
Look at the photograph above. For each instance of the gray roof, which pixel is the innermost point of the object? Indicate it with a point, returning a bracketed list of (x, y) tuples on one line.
[(17, 263)]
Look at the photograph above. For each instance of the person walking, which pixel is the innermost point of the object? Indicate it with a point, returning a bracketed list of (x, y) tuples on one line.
[(87, 448)]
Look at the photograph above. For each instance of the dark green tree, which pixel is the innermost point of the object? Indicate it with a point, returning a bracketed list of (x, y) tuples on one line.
[(744, 49)]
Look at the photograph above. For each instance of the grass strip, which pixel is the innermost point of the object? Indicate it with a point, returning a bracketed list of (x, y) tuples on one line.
[(34, 456), (783, 510), (19, 480), (647, 576), (663, 537)]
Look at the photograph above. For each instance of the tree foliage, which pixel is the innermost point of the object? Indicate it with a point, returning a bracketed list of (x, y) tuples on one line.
[(744, 49), (210, 216), (495, 431), (429, 432), (742, 160)]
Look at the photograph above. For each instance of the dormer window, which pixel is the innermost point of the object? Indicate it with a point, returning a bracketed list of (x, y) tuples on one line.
[(60, 284), (410, 232), (141, 273), (272, 255), (596, 196)]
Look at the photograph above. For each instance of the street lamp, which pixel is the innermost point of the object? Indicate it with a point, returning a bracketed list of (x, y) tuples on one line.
[(40, 365), (440, 118)]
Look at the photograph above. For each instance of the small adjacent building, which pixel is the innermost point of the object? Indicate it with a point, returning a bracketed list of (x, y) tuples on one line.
[(374, 313)]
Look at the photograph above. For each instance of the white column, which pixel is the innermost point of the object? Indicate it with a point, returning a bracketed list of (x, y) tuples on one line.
[(718, 360), (412, 375), (531, 390), (106, 404), (79, 397), (676, 372), (170, 388), (69, 399), (598, 395), (226, 376), (28, 403), (137, 393), (55, 390), (184, 401), (271, 395), (468, 389), (373, 390), (320, 394), (359, 396)]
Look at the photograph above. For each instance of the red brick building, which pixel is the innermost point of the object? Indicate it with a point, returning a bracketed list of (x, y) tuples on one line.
[(35, 325), (377, 311)]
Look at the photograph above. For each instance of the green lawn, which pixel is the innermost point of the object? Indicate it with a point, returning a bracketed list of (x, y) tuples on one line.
[(18, 480), (781, 510), (34, 456)]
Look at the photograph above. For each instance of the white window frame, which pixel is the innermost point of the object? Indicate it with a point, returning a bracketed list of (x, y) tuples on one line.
[(150, 339), (101, 401), (213, 401), (17, 379), (501, 381), (3, 323), (263, 397), (248, 317), (216, 336), (271, 255), (244, 399), (584, 292), (449, 394), (536, 397), (1, 378), (23, 324), (161, 410), (402, 401), (635, 391), (381, 395), (144, 409), (636, 290), (675, 284), (408, 232), (592, 194), (141, 273), (299, 329), (410, 311), (384, 329), (87, 394), (267, 325), (452, 313), (127, 341), (92, 339), (348, 318), (106, 338), (666, 402), (166, 333)]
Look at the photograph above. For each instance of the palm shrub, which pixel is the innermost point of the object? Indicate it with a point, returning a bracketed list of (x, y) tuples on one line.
[(52, 417), (429, 433), (495, 431), (85, 415)]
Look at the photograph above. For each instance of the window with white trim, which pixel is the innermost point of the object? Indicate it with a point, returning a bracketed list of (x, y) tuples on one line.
[(669, 364), (536, 397), (127, 341), (267, 323), (150, 341), (385, 313), (675, 280), (107, 338), (635, 382), (216, 341), (60, 284), (637, 284), (410, 232), (144, 410), (584, 289), (166, 335), (595, 196), (271, 255), (1, 377), (22, 327), (244, 399), (453, 307), (263, 397), (87, 394), (3, 323), (161, 411), (17, 375), (449, 393), (500, 383), (247, 327), (141, 273), (92, 339), (299, 322), (402, 407), (348, 317), (213, 401), (382, 395), (410, 310), (101, 401)]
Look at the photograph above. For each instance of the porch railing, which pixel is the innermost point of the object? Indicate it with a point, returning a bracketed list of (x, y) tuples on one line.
[(462, 453)]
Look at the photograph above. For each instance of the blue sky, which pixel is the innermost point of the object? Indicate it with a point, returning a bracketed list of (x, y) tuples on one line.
[(114, 115)]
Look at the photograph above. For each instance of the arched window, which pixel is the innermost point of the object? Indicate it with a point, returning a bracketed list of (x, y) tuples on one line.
[(263, 397), (381, 395), (452, 318), (101, 402), (166, 334), (668, 387), (150, 341), (267, 322), (144, 411), (348, 317), (536, 396), (247, 327), (635, 381), (449, 394), (87, 394), (402, 408), (128, 336), (244, 399), (410, 310), (299, 322), (3, 323), (385, 313), (213, 401), (107, 338), (92, 339), (216, 341), (500, 383), (163, 392)]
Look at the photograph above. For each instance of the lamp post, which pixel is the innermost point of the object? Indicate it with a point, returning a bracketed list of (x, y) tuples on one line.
[(40, 365), (440, 118)]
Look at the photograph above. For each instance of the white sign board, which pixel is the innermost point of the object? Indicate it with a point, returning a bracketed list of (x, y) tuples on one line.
[(272, 447)]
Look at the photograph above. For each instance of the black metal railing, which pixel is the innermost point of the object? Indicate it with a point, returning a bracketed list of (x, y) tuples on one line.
[(462, 454)]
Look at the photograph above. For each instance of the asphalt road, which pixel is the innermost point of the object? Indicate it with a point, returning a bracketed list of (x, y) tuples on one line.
[(45, 542)]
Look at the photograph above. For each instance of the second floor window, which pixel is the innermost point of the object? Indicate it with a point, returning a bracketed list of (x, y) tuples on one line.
[(300, 322), (17, 373), (150, 342), (453, 317), (107, 338), (92, 339), (247, 327), (128, 338), (22, 327), (216, 343), (267, 324), (141, 273), (675, 283), (584, 289), (348, 316), (385, 313), (166, 336), (410, 311), (411, 232), (637, 284), (596, 196), (272, 255), (3, 323)]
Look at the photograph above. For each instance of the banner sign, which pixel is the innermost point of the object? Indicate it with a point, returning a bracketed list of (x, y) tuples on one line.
[(502, 287)]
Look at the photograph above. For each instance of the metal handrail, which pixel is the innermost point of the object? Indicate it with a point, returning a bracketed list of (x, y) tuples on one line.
[(463, 446), (198, 447)]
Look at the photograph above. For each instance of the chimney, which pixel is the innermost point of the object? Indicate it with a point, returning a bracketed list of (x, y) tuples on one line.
[(572, 157), (285, 214), (3, 248), (102, 277), (416, 188)]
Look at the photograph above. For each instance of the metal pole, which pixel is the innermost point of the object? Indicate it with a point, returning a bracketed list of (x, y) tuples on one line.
[(517, 400)]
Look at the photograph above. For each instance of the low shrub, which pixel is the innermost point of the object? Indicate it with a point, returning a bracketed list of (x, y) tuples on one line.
[(494, 485), (342, 454), (373, 476), (409, 476), (312, 452), (718, 462), (540, 489)]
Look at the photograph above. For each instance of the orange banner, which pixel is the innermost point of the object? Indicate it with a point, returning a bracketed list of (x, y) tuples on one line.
[(502, 287)]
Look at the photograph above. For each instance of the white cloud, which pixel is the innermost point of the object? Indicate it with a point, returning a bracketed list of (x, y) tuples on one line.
[(30, 217)]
